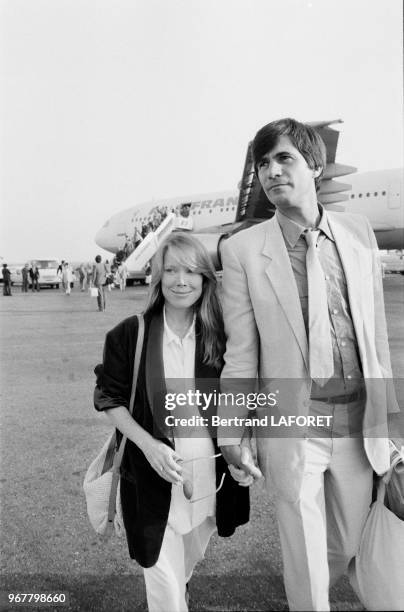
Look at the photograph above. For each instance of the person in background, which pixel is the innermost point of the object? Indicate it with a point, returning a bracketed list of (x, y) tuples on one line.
[(59, 272), (34, 275), (82, 276), (175, 488), (123, 275), (25, 277), (89, 275), (99, 277), (6, 280), (67, 278), (137, 237), (148, 273), (109, 278)]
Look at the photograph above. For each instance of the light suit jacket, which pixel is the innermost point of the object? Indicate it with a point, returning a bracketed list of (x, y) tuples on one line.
[(267, 336)]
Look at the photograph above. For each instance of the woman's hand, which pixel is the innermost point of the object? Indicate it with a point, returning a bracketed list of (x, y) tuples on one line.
[(161, 457), (164, 460)]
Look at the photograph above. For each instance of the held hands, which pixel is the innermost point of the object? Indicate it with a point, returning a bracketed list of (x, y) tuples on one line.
[(163, 460), (241, 464)]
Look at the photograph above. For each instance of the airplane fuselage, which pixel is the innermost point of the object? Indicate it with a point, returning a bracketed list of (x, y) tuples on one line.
[(377, 195)]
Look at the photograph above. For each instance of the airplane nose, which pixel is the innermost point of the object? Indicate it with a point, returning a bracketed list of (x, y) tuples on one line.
[(103, 238)]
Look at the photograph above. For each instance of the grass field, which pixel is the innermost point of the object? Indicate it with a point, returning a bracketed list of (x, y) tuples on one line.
[(50, 344)]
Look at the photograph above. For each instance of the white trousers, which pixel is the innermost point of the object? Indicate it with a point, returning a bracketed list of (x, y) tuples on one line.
[(320, 533), (166, 580)]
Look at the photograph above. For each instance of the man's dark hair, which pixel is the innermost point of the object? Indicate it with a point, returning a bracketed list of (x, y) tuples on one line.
[(98, 258), (303, 137)]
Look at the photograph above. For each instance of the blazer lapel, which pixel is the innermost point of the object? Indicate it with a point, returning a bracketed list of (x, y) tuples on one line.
[(155, 380), (281, 277)]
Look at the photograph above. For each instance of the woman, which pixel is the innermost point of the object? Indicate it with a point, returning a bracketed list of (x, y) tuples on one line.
[(67, 278), (122, 275), (172, 490)]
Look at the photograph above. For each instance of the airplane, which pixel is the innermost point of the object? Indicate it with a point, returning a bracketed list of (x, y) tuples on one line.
[(213, 217)]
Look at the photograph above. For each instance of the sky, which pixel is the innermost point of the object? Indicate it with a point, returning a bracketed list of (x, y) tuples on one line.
[(111, 103)]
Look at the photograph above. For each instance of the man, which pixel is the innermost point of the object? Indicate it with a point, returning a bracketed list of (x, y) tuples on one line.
[(6, 280), (99, 276), (59, 272), (34, 275), (25, 281), (303, 309), (82, 276)]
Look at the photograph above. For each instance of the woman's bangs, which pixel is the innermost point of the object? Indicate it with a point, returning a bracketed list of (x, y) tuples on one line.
[(186, 256)]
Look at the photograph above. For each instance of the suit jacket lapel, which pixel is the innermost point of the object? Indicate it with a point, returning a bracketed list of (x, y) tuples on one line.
[(155, 380), (281, 277)]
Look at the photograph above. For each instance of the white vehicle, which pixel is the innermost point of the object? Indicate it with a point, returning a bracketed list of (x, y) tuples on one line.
[(48, 272), (393, 262)]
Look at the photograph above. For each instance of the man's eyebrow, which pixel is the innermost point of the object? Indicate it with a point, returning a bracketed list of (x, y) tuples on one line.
[(285, 152), (267, 156)]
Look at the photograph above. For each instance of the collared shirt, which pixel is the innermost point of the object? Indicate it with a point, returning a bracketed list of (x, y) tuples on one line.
[(178, 353), (347, 376), (179, 370)]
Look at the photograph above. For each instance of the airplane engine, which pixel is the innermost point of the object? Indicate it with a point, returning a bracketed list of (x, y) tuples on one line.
[(212, 244)]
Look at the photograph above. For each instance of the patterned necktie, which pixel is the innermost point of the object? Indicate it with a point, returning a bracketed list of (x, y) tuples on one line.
[(320, 346)]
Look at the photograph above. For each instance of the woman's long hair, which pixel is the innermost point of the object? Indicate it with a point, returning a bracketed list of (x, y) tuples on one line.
[(191, 253)]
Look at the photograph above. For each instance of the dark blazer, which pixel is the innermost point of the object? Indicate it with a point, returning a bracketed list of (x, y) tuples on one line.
[(145, 495)]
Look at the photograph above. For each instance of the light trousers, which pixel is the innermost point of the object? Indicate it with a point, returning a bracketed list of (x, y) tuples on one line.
[(320, 533), (166, 580), (101, 297)]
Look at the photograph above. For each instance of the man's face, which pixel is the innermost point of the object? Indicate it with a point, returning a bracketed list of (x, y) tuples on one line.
[(285, 176)]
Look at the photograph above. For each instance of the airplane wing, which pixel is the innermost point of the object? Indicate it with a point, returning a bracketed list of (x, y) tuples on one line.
[(253, 203)]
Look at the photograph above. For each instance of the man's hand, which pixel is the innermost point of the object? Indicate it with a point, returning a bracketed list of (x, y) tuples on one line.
[(241, 464), (232, 454), (248, 464)]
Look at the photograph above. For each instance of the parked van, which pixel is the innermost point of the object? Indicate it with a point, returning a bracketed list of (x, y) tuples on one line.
[(48, 272)]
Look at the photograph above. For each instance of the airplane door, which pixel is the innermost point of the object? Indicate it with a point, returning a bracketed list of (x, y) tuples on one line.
[(394, 195)]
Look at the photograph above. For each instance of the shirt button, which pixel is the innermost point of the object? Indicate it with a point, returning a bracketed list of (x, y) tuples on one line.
[(343, 343), (335, 311), (327, 277), (349, 377)]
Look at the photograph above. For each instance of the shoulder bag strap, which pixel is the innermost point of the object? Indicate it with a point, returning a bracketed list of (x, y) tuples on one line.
[(118, 457)]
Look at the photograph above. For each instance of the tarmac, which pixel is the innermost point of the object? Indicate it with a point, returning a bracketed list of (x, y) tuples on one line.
[(50, 344)]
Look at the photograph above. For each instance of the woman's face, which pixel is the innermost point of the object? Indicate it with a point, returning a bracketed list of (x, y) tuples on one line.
[(181, 287)]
